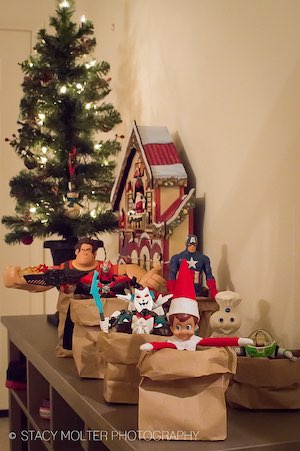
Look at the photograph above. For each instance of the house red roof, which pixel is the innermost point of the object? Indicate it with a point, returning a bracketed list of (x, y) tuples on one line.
[(161, 154)]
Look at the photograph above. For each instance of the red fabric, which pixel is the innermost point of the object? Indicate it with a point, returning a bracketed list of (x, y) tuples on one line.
[(220, 342), (215, 342), (184, 286), (162, 345), (72, 162), (140, 315), (171, 285), (161, 154)]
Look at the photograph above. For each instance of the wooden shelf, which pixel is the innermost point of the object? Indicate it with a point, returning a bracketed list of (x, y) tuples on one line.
[(80, 417)]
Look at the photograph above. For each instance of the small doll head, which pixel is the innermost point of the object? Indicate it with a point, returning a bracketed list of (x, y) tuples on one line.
[(143, 299), (85, 251), (191, 243), (183, 325)]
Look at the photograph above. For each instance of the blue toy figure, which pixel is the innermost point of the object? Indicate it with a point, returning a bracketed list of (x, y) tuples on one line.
[(198, 263)]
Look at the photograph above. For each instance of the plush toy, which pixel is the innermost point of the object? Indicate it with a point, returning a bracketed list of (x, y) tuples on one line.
[(184, 316), (198, 263), (226, 321), (264, 345)]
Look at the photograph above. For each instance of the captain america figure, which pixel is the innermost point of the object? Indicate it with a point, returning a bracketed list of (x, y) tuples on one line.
[(198, 263)]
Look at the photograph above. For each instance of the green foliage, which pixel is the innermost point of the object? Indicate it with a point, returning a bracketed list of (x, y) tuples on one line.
[(62, 109)]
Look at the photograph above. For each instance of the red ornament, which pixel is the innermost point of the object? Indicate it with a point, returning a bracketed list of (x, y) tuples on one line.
[(27, 239)]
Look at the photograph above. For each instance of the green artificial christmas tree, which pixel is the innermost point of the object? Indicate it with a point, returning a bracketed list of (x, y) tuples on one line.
[(65, 186)]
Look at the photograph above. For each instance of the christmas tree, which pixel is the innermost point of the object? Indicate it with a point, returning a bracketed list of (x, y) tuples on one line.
[(65, 186)]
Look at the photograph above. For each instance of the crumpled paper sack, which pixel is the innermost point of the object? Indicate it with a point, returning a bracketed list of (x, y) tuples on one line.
[(182, 394)]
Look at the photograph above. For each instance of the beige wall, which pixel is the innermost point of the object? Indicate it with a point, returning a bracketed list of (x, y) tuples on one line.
[(223, 76)]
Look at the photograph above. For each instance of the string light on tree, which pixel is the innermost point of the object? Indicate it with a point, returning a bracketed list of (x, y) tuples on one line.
[(64, 4), (59, 114)]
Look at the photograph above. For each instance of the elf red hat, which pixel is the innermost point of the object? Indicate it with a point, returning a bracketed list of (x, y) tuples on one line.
[(184, 296)]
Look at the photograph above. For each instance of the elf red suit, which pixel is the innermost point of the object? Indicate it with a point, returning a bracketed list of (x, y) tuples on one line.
[(184, 316)]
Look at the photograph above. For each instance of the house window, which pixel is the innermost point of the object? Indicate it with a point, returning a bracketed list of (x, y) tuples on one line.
[(130, 202), (134, 257), (148, 219), (138, 186), (139, 168), (145, 262), (157, 258)]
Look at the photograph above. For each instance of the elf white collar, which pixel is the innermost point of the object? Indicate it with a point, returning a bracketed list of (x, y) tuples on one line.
[(188, 345)]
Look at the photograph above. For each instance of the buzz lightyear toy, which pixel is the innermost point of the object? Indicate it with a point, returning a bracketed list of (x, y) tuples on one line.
[(265, 346)]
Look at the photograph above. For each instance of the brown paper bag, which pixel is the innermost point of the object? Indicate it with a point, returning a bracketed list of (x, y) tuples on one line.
[(182, 394), (63, 307), (87, 359), (121, 353), (262, 383), (85, 316), (86, 313)]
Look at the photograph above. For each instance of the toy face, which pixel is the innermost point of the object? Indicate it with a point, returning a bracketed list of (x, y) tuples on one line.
[(85, 255), (142, 299), (191, 248), (191, 243), (260, 339), (183, 329), (225, 322)]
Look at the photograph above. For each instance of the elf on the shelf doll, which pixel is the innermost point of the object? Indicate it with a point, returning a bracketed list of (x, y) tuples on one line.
[(184, 316)]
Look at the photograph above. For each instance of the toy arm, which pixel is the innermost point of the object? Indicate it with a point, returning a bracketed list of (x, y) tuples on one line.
[(152, 279), (156, 345), (104, 324), (174, 266), (225, 341), (162, 299), (211, 283), (12, 278), (210, 280), (286, 353)]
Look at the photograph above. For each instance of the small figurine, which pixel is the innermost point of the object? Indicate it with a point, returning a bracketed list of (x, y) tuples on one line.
[(142, 317), (140, 203), (184, 316), (264, 345), (85, 260), (226, 321), (198, 263), (109, 282), (68, 276), (76, 275)]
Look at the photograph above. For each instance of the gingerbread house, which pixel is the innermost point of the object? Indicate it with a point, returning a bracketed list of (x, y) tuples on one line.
[(155, 212)]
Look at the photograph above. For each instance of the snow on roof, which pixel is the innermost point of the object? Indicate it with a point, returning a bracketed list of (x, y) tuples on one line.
[(160, 156), (161, 152)]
